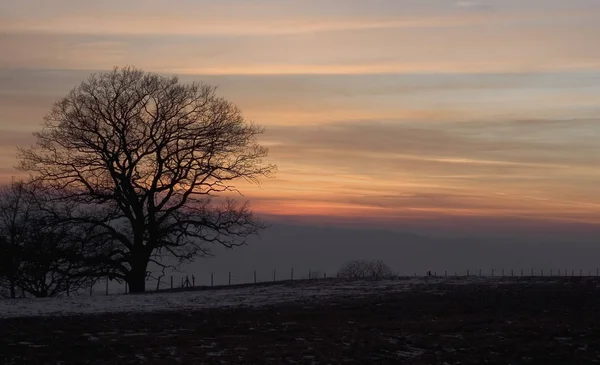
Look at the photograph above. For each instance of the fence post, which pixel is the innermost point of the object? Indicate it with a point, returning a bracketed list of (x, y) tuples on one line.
[(158, 284), (254, 276), (193, 281), (171, 281), (230, 278), (126, 287), (106, 286), (212, 279)]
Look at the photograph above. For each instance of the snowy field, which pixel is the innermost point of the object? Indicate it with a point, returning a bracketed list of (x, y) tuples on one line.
[(417, 321), (301, 292)]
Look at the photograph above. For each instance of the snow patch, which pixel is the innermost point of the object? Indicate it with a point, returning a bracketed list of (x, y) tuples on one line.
[(301, 292)]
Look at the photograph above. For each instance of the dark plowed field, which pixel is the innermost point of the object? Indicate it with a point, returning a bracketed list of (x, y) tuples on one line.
[(525, 323)]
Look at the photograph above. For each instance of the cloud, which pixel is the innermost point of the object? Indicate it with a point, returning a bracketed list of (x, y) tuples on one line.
[(362, 40), (187, 26), (9, 140), (257, 18), (514, 144), (477, 5), (392, 146), (456, 169), (337, 54)]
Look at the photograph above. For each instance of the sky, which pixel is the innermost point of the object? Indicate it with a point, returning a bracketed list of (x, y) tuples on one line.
[(420, 115)]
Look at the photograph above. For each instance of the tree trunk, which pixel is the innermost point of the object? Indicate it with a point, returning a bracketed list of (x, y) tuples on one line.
[(137, 277), (41, 293), (13, 290)]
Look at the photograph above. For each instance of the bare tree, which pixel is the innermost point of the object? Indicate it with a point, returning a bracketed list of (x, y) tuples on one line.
[(315, 274), (380, 270), (16, 215), (50, 267), (147, 159), (9, 267), (36, 251), (363, 269)]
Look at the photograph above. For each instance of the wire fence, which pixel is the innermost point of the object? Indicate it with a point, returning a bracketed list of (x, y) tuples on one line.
[(182, 281)]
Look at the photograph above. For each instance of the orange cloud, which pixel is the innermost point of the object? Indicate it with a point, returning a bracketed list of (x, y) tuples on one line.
[(412, 110)]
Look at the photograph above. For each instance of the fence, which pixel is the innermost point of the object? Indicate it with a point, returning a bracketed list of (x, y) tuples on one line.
[(517, 273), (183, 281), (175, 281)]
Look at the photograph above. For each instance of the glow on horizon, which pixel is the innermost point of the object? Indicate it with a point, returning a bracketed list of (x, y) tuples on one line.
[(393, 109)]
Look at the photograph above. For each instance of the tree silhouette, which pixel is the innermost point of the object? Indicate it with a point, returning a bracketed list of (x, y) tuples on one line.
[(363, 269), (16, 215), (36, 249), (146, 160)]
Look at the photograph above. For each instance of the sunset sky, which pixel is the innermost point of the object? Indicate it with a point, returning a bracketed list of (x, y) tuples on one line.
[(380, 111)]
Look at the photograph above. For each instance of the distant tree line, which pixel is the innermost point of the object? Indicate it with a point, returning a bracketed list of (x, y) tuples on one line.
[(130, 169)]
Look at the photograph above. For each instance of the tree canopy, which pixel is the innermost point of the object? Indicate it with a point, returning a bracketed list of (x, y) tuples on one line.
[(364, 269), (145, 160)]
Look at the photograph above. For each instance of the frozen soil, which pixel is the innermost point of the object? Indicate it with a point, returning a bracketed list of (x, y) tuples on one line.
[(530, 321)]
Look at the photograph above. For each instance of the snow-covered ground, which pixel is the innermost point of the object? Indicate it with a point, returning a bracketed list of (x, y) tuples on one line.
[(304, 292)]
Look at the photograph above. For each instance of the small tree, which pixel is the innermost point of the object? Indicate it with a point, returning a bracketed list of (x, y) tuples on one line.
[(145, 157), (379, 270), (363, 269), (9, 267), (36, 251), (16, 215), (50, 265), (315, 274)]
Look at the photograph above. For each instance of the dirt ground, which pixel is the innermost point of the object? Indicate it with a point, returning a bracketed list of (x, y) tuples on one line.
[(525, 323)]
